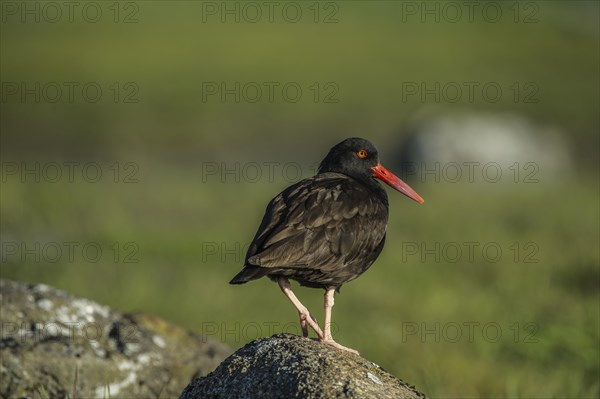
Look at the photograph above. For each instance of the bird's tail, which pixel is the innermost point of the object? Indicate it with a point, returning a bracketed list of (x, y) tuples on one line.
[(248, 273)]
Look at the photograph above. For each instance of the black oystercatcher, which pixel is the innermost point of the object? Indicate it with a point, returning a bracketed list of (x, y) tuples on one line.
[(326, 230)]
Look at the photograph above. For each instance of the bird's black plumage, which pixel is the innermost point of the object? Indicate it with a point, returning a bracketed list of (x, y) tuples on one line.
[(325, 230)]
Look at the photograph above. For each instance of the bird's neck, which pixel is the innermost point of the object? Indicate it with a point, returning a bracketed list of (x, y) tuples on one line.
[(377, 189), (370, 183)]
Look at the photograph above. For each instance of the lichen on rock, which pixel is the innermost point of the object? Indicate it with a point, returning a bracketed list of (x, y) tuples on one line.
[(288, 366), (56, 345)]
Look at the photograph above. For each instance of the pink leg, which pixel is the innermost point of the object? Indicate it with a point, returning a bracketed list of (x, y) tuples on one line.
[(327, 338), (305, 318)]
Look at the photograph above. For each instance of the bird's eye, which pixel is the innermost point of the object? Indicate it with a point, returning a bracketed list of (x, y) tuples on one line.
[(361, 154)]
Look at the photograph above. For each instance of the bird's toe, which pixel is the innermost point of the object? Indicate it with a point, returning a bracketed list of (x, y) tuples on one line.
[(339, 346)]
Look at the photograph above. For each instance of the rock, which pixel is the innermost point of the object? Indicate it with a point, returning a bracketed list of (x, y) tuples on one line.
[(288, 366), (55, 345), (443, 145)]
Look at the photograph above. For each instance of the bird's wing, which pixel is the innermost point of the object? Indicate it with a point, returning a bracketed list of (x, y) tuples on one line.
[(319, 223)]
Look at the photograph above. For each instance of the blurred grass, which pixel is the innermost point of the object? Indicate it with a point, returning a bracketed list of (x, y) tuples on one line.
[(172, 219), (369, 54), (171, 214)]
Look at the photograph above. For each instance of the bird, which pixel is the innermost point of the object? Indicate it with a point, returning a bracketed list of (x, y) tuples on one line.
[(326, 230)]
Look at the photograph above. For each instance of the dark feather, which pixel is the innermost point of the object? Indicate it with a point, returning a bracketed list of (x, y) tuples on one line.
[(323, 231)]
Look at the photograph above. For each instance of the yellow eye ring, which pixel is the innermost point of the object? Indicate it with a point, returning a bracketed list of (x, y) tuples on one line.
[(361, 154)]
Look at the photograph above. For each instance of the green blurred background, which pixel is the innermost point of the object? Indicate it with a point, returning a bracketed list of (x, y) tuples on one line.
[(172, 234)]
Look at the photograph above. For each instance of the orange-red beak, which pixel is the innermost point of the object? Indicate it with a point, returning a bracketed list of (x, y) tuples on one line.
[(394, 181)]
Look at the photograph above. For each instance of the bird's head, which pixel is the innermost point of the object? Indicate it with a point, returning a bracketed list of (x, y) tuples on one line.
[(358, 158)]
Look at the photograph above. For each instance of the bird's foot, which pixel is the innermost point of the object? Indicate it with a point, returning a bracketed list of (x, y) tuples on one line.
[(307, 320), (330, 341)]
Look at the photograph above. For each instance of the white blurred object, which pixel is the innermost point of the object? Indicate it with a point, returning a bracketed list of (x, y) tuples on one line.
[(484, 137)]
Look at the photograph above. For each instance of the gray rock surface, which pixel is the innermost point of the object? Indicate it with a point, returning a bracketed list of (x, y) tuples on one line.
[(436, 139), (288, 366), (55, 345)]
